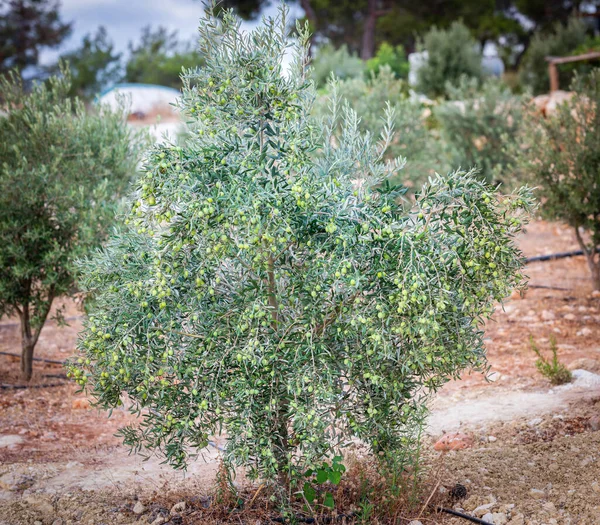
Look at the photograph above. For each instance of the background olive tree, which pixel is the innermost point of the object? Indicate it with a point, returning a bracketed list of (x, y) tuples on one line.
[(264, 288), (451, 54), (61, 174), (563, 159)]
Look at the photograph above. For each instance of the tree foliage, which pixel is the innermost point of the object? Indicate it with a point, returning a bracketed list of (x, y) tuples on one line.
[(159, 57), (563, 157), (413, 140), (478, 126), (93, 66), (562, 40), (26, 26), (451, 54), (264, 288), (388, 55), (339, 62), (61, 173)]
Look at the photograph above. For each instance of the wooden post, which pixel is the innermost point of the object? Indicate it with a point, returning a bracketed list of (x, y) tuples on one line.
[(553, 74)]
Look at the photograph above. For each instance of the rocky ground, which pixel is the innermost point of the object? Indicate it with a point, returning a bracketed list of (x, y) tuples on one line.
[(531, 451)]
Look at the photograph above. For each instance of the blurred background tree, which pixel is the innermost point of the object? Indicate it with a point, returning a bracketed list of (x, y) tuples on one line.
[(27, 26), (159, 57), (94, 65)]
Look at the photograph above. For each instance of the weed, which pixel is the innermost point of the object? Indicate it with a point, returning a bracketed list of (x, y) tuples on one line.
[(553, 369)]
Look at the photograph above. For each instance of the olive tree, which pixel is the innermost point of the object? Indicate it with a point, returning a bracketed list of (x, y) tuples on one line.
[(61, 172), (262, 287), (562, 156)]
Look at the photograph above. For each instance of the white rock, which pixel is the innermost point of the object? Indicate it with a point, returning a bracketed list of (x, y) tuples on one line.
[(537, 494), (489, 517), (483, 509), (10, 440), (584, 332), (415, 522), (499, 518), (178, 507), (139, 508), (547, 315), (491, 439), (159, 520), (534, 422)]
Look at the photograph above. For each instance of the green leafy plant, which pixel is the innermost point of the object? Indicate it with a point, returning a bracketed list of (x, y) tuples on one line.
[(339, 62), (560, 154), (61, 176), (477, 126), (553, 369), (326, 473), (263, 287), (451, 54), (388, 55), (562, 41), (369, 97)]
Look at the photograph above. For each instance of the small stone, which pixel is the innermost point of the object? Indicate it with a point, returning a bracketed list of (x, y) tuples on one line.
[(537, 494), (139, 508), (518, 519), (594, 423), (499, 518), (59, 521), (595, 487), (10, 440), (37, 523), (159, 520), (584, 332), (569, 317), (549, 507), (14, 481), (81, 404), (415, 522), (178, 507), (454, 441), (534, 422), (483, 509), (489, 517), (492, 439), (547, 315)]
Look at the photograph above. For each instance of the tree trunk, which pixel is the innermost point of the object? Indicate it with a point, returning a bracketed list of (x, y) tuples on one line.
[(27, 345), (595, 270), (593, 260), (368, 40)]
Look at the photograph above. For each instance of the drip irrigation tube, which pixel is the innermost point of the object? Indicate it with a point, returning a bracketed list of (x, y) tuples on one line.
[(42, 359), (5, 386), (472, 519), (554, 256)]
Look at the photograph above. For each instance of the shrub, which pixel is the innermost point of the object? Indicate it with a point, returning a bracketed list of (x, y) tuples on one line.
[(560, 42), (413, 140), (62, 172), (563, 158), (388, 55), (339, 62), (478, 125), (451, 54), (553, 369), (262, 288)]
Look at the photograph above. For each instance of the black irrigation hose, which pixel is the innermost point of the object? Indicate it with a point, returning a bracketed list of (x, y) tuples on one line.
[(464, 516), (554, 256), (42, 359), (304, 519), (4, 386)]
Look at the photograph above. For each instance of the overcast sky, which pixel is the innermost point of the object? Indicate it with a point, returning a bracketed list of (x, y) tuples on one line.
[(124, 20)]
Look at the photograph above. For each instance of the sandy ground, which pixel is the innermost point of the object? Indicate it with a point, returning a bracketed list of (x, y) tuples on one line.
[(535, 458)]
